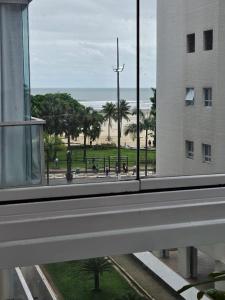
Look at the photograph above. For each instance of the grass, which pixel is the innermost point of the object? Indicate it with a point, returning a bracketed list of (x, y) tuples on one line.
[(77, 156), (75, 285)]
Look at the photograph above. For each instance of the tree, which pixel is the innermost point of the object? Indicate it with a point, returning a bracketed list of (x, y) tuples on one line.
[(96, 125), (90, 122), (52, 145), (131, 129), (109, 113), (124, 111), (96, 267), (147, 124), (153, 112), (71, 121), (58, 112), (213, 293)]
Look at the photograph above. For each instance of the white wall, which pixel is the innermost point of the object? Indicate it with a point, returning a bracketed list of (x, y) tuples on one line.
[(177, 70)]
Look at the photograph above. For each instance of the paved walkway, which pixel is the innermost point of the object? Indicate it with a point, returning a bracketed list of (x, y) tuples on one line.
[(152, 285)]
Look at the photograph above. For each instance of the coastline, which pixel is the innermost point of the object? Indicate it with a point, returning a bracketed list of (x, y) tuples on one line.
[(126, 141)]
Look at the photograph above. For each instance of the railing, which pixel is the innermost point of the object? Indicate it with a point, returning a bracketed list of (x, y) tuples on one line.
[(58, 164)]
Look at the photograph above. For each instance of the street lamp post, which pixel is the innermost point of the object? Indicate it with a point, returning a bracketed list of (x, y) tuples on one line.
[(118, 70)]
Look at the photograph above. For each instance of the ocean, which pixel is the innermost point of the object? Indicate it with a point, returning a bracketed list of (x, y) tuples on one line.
[(97, 97)]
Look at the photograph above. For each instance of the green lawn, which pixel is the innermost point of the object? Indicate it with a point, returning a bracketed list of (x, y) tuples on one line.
[(75, 285), (100, 154)]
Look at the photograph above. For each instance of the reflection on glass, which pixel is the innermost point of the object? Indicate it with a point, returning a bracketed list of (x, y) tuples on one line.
[(148, 83), (21, 165), (26, 62)]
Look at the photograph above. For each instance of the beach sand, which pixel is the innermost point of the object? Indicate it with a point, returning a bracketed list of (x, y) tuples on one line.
[(126, 141)]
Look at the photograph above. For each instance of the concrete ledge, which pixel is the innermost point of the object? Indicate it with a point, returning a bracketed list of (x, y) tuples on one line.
[(171, 278), (155, 183)]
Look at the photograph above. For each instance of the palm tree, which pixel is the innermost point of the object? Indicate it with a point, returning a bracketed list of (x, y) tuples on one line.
[(153, 112), (96, 267), (130, 296), (90, 123), (109, 113), (96, 125), (147, 124), (131, 129), (213, 293), (52, 145), (124, 111), (70, 121)]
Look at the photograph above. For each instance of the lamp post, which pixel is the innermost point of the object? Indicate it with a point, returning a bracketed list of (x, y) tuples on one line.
[(118, 70)]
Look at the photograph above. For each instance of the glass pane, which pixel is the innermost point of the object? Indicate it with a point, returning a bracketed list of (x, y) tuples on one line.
[(26, 61), (77, 93), (148, 88), (21, 155), (186, 83)]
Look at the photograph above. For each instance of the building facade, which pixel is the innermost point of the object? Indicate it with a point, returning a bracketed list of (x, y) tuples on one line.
[(191, 100), (190, 87)]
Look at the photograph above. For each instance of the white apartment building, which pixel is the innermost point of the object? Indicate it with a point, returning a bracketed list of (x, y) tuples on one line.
[(191, 99), (190, 87)]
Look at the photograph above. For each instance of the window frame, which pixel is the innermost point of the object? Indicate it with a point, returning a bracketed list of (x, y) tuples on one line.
[(191, 43), (189, 149), (90, 220), (208, 102), (190, 102), (80, 228), (206, 153), (47, 193), (206, 42)]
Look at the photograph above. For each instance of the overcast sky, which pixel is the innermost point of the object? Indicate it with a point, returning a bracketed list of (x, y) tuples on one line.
[(73, 42)]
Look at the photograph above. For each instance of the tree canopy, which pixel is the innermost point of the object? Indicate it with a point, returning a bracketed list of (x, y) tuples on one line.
[(66, 116)]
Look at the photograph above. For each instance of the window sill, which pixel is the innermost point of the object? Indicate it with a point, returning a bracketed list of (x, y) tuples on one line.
[(64, 230)]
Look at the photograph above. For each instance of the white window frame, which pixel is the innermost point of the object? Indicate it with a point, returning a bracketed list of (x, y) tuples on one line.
[(90, 226), (206, 153), (207, 102), (189, 149), (190, 96), (61, 223)]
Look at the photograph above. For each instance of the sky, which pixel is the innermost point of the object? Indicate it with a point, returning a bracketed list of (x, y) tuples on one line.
[(73, 43)]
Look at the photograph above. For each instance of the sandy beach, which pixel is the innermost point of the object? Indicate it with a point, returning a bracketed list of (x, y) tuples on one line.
[(126, 141)]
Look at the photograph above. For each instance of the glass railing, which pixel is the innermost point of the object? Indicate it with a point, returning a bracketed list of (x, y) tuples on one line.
[(21, 153)]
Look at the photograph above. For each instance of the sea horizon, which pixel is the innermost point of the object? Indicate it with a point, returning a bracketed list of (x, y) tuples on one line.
[(97, 97)]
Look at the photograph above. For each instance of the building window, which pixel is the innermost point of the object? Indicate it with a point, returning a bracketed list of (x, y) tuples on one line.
[(207, 93), (208, 40), (190, 96), (189, 149), (191, 43), (206, 152)]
